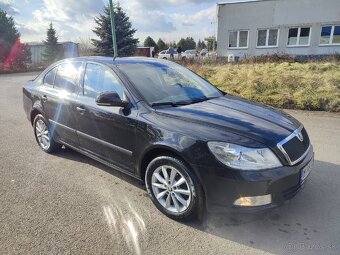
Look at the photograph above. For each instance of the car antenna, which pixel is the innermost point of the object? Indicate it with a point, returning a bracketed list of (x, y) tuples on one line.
[(113, 27)]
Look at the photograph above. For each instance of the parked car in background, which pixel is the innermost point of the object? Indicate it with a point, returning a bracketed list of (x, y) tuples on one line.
[(194, 146), (165, 54), (189, 54)]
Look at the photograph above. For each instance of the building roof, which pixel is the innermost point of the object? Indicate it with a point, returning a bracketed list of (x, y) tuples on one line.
[(239, 1), (118, 61), (41, 43)]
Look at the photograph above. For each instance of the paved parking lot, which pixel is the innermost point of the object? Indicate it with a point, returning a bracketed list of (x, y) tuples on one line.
[(69, 204)]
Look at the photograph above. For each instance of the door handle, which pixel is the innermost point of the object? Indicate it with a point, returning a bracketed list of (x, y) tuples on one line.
[(81, 109), (44, 98)]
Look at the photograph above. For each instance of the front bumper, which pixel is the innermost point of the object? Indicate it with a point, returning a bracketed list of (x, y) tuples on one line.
[(223, 186)]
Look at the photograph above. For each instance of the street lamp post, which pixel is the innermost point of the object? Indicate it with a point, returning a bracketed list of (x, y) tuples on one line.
[(113, 27)]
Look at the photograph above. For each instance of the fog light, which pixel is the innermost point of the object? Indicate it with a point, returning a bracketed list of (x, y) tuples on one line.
[(254, 201)]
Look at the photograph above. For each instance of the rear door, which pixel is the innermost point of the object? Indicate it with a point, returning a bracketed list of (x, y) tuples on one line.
[(59, 98), (105, 131)]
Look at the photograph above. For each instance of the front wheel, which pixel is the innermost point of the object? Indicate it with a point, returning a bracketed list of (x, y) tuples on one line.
[(174, 189), (43, 135)]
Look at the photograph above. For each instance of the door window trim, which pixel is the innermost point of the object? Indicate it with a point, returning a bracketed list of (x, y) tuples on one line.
[(114, 73), (46, 73), (76, 92)]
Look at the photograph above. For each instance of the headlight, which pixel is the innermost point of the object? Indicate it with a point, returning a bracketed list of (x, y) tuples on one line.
[(243, 158)]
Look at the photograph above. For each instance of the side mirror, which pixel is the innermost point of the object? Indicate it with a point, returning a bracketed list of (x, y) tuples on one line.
[(111, 99)]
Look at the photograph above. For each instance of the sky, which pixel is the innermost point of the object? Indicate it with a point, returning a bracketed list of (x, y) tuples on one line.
[(74, 19)]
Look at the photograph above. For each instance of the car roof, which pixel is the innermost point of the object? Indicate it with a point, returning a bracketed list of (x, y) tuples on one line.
[(117, 61)]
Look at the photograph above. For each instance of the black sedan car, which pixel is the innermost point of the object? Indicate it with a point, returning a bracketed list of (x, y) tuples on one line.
[(193, 145)]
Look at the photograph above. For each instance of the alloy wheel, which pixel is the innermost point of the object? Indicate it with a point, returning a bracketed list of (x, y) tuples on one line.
[(171, 189), (42, 133)]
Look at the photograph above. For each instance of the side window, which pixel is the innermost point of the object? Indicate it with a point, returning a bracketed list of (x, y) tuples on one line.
[(99, 79), (67, 76), (49, 77)]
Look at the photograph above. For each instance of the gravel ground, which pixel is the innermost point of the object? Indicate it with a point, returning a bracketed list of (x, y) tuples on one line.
[(69, 204)]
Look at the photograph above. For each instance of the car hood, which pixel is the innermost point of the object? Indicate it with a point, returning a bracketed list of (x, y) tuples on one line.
[(232, 114)]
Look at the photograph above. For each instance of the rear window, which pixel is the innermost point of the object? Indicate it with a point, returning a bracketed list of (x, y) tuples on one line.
[(49, 77), (67, 76)]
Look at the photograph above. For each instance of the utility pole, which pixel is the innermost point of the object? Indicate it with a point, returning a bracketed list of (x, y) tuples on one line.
[(113, 26)]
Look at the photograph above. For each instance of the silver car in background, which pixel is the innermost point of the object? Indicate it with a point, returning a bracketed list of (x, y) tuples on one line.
[(189, 54)]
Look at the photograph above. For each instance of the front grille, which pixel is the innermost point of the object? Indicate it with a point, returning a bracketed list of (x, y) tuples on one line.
[(291, 192), (295, 148)]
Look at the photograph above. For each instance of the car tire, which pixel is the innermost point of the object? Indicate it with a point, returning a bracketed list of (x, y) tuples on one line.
[(43, 135), (182, 199), (165, 58)]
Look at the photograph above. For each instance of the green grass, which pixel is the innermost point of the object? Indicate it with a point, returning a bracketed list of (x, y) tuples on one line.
[(305, 86)]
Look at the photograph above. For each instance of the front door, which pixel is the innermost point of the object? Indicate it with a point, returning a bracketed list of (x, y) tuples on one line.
[(105, 131)]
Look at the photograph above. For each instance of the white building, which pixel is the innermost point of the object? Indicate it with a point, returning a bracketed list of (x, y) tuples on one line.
[(69, 49), (296, 27)]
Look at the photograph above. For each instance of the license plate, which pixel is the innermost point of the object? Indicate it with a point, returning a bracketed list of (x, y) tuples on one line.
[(306, 170)]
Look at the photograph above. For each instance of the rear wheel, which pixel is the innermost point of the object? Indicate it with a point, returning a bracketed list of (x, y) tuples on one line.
[(43, 135), (173, 188)]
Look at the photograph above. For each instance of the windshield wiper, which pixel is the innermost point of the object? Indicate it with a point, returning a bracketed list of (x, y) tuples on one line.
[(173, 104)]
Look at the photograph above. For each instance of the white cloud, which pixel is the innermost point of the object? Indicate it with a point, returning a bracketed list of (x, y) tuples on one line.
[(167, 19), (152, 18), (8, 6)]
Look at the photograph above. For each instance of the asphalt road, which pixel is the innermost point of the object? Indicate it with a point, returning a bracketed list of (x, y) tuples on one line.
[(69, 204)]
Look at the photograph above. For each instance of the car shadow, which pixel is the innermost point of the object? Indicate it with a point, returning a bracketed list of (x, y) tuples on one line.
[(307, 224), (70, 154)]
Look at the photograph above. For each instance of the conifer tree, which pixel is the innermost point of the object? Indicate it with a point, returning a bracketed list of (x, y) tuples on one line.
[(13, 53), (161, 45), (126, 42), (52, 51)]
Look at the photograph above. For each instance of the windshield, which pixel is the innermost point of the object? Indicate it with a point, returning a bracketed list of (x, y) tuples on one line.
[(168, 83)]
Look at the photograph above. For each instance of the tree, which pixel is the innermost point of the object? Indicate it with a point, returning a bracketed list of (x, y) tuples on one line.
[(211, 46), (8, 35), (85, 47), (19, 57), (149, 42), (126, 43), (187, 43), (212, 43), (172, 44), (52, 51), (201, 45), (161, 45), (13, 53)]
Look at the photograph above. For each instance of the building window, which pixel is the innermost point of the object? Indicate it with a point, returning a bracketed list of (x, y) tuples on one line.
[(330, 35), (299, 36), (267, 37), (238, 39)]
